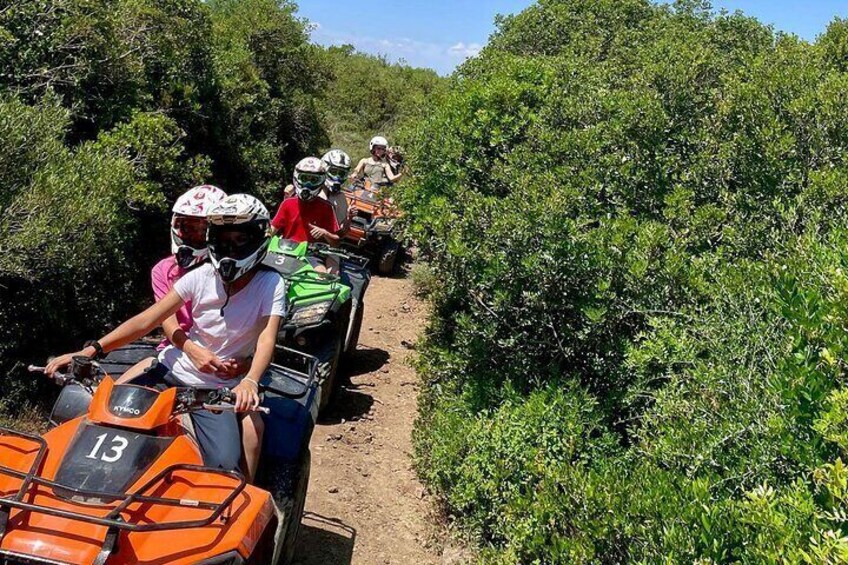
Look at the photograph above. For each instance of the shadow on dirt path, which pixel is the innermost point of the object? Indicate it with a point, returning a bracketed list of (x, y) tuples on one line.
[(365, 504), (324, 541), (348, 405)]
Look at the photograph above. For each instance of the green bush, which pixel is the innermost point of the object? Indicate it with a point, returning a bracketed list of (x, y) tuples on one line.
[(642, 208), (74, 243), (108, 111), (364, 96)]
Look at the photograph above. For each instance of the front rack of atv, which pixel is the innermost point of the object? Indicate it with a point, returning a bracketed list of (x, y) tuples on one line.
[(373, 200), (113, 520), (356, 261)]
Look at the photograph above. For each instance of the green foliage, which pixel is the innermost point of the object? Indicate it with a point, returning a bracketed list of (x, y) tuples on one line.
[(110, 109), (265, 117), (107, 58), (365, 96), (640, 207), (71, 234)]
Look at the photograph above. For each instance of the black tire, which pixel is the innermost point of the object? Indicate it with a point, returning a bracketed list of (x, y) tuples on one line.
[(388, 258), (329, 371), (355, 330), (289, 541)]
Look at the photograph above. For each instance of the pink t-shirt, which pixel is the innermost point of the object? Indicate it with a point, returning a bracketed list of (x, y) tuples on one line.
[(162, 277)]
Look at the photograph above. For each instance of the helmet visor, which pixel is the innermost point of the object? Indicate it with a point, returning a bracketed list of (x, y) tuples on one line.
[(235, 241), (310, 180), (190, 231), (337, 174)]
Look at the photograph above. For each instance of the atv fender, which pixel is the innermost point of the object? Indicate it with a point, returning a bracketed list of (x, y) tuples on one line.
[(287, 481), (73, 402)]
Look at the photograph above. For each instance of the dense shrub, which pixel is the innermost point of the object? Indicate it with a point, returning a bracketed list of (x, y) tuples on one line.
[(265, 118), (365, 96), (109, 109), (638, 209), (72, 241)]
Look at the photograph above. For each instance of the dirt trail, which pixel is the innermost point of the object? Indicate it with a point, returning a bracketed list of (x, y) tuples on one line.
[(365, 504)]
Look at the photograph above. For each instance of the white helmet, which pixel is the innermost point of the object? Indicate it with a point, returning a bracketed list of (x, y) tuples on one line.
[(309, 177), (237, 235), (188, 235), (337, 163), (378, 141)]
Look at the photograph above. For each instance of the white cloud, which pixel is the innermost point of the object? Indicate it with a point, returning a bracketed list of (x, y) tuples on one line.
[(465, 50), (441, 57)]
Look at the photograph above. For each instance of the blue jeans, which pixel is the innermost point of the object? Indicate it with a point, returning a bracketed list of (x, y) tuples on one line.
[(217, 432)]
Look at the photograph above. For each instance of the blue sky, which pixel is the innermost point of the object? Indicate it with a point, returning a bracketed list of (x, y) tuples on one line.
[(440, 34)]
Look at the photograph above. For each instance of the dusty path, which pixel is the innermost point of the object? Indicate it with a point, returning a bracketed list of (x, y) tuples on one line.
[(365, 504)]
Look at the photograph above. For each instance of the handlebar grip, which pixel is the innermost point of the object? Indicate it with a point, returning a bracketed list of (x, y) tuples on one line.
[(230, 407), (35, 369)]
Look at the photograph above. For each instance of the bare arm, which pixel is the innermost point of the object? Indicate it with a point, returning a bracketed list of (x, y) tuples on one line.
[(264, 348), (391, 175), (173, 332), (141, 324), (332, 238), (357, 172), (329, 237), (345, 227), (247, 391), (134, 328)]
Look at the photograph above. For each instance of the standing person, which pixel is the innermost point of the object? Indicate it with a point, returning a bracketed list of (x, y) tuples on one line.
[(375, 168), (236, 309), (337, 163), (307, 217)]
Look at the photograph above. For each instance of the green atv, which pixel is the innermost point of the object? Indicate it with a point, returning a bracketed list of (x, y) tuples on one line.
[(324, 311)]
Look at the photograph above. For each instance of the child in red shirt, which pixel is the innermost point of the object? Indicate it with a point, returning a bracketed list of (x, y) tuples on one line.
[(307, 217)]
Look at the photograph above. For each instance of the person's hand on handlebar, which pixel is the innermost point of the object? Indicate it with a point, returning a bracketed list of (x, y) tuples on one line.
[(247, 395), (57, 364)]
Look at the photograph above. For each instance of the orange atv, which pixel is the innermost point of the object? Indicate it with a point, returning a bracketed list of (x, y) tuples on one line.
[(120, 479), (372, 226)]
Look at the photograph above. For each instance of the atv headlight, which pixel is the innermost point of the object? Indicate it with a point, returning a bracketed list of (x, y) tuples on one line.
[(231, 558), (312, 314)]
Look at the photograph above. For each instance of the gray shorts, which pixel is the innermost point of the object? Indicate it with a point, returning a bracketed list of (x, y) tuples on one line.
[(217, 433)]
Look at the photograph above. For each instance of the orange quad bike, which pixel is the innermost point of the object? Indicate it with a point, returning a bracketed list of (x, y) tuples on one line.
[(119, 479), (372, 226)]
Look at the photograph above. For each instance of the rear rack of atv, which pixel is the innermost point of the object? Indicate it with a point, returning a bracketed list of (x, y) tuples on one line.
[(114, 520)]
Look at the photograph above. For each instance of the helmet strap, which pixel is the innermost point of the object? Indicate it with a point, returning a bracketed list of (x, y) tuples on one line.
[(227, 301), (184, 257)]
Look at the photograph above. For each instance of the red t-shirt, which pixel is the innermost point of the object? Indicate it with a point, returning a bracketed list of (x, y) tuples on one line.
[(294, 216)]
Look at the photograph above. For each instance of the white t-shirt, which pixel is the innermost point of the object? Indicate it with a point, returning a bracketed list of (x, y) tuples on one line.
[(233, 335), (339, 202)]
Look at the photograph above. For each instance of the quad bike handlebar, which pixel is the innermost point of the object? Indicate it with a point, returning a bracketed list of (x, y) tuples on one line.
[(325, 249), (215, 400), (82, 370), (188, 398)]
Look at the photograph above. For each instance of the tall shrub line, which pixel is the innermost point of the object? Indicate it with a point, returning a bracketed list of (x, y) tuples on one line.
[(109, 109), (635, 214)]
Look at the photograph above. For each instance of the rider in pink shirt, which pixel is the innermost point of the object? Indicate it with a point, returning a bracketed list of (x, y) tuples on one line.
[(163, 276), (188, 250)]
